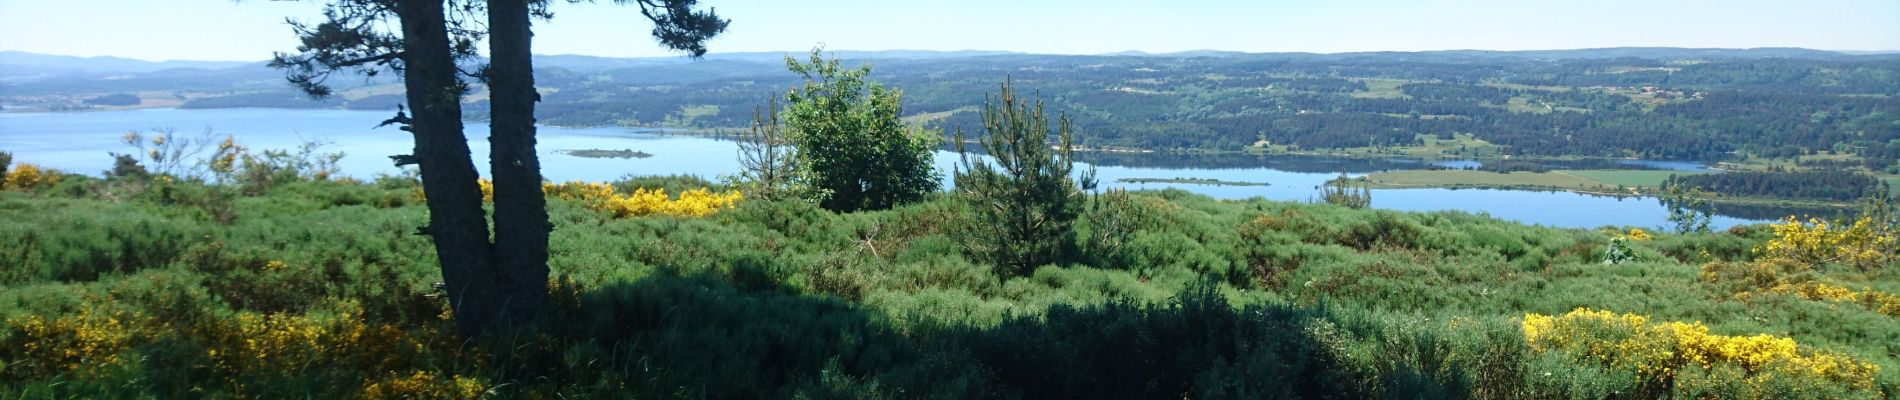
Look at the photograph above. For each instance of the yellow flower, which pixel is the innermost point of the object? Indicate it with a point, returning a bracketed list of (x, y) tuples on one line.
[(1658, 351), (26, 176), (1815, 242)]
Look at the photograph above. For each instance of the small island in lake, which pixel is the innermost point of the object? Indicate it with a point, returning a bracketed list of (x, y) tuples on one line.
[(1194, 181), (600, 153)]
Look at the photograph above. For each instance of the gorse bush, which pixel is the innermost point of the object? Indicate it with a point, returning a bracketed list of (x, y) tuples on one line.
[(604, 197), (1656, 352), (1860, 245), (24, 176), (600, 196)]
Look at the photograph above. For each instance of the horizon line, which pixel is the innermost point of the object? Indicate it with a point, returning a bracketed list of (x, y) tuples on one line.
[(1013, 52)]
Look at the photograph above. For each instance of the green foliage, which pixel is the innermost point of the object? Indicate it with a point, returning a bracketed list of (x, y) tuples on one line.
[(1341, 192), (1825, 185), (6, 162), (1688, 210), (67, 240), (848, 141), (320, 289), (766, 165), (1197, 344), (257, 172), (1023, 207)]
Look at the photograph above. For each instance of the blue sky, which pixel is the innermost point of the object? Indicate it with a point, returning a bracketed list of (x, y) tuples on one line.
[(250, 30)]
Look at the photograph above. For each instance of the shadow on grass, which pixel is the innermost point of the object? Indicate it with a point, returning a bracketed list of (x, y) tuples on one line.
[(702, 336)]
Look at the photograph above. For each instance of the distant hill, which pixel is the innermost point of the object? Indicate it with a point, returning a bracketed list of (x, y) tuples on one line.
[(1660, 53), (9, 60), (16, 66)]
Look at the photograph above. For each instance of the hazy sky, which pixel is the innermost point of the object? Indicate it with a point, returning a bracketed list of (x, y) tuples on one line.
[(252, 29)]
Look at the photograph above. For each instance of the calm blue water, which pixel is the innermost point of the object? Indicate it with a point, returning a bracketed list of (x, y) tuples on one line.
[(79, 142)]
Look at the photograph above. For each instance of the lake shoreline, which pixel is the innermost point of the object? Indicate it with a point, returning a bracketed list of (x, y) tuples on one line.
[(80, 141), (1465, 179)]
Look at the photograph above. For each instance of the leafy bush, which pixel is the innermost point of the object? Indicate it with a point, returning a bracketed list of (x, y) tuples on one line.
[(849, 143)]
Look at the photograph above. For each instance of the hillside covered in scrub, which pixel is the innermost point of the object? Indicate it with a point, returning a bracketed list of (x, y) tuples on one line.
[(313, 286)]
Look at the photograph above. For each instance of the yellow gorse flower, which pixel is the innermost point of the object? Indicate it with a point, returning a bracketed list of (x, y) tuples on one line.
[(1657, 350), (1875, 300), (643, 202), (601, 196), (28, 176), (84, 343), (1815, 242), (424, 385)]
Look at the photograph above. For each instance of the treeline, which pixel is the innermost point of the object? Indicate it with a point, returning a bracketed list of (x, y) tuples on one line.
[(1776, 107), (1835, 185)]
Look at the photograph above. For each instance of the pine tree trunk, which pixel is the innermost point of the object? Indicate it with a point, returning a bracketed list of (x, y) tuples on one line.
[(456, 221), (521, 216)]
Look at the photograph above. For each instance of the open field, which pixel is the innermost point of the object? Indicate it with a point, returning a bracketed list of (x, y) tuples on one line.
[(1382, 89), (1629, 178), (1560, 180)]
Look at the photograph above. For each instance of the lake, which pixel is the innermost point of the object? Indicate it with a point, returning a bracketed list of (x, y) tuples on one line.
[(80, 141)]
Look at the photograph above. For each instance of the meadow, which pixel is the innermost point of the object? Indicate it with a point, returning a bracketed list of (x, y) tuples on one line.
[(315, 286)]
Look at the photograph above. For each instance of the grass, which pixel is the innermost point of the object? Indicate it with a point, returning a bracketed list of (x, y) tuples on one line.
[(1467, 178), (1628, 178), (1377, 88), (690, 114)]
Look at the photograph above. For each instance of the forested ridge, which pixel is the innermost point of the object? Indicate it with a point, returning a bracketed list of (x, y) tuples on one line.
[(1654, 103)]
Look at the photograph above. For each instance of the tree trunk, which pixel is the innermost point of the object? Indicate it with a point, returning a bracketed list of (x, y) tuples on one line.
[(521, 216), (456, 222)]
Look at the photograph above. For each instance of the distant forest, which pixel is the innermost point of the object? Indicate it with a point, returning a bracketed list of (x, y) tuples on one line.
[(1681, 104), (1829, 185)]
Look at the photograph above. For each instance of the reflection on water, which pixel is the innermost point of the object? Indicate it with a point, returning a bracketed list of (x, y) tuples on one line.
[(79, 142), (1768, 212)]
